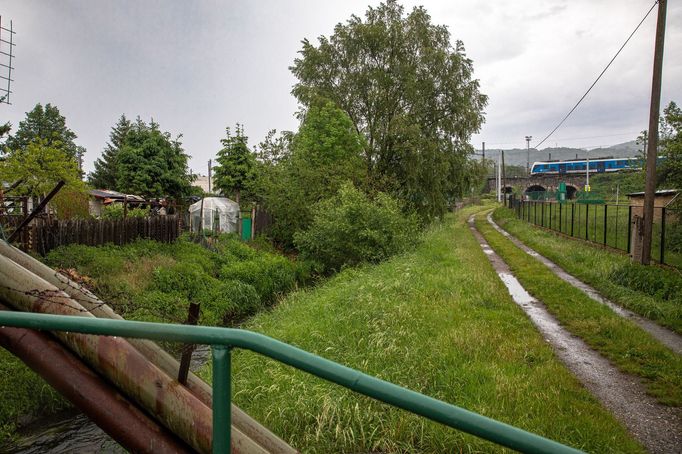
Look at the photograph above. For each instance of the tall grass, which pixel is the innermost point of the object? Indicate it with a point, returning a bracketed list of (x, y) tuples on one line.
[(437, 320)]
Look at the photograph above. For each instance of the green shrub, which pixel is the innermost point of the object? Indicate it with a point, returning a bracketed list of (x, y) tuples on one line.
[(229, 245), (115, 211), (269, 274), (94, 261), (350, 228), (188, 279), (650, 280), (230, 300), (160, 306)]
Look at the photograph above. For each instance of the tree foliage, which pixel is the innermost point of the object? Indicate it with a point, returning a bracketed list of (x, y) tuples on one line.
[(141, 159), (236, 169), (152, 164), (106, 171), (48, 125), (670, 170), (325, 153), (408, 91), (40, 165), (350, 228)]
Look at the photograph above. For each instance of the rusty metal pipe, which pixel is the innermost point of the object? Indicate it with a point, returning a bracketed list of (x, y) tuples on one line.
[(174, 406), (100, 402), (244, 424)]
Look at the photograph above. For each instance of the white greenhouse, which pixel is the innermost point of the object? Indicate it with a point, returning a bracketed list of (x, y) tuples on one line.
[(218, 214)]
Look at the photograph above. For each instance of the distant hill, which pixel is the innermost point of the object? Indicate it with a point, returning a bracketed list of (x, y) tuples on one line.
[(517, 156)]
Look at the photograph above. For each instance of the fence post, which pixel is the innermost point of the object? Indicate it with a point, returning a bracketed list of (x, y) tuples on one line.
[(192, 318), (222, 405), (662, 233), (605, 218), (560, 210), (572, 217), (587, 221), (550, 215), (617, 226), (629, 226)]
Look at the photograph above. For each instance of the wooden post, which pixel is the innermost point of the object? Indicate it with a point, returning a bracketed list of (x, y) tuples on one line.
[(192, 318), (253, 222), (652, 142)]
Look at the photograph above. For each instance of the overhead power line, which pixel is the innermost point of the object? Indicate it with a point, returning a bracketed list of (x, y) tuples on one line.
[(598, 77)]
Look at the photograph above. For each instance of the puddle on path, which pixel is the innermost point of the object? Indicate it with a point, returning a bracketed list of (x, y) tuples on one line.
[(657, 427), (665, 336)]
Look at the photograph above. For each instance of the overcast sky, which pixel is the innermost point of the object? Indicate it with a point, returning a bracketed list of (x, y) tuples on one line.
[(197, 67)]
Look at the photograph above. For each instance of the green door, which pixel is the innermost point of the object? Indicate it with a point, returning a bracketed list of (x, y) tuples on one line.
[(246, 229)]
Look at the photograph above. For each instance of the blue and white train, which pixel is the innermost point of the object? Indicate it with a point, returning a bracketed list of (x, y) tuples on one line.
[(600, 165)]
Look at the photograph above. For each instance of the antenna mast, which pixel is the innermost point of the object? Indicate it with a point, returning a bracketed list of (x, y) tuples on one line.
[(6, 57)]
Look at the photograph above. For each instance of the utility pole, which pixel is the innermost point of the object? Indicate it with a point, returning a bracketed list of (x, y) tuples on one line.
[(528, 139), (483, 153), (504, 179), (209, 176), (652, 141), (499, 179), (587, 173)]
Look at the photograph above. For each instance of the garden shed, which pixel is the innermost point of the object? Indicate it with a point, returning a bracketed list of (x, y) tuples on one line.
[(217, 214)]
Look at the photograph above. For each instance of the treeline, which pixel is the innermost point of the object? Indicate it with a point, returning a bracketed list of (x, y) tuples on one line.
[(387, 108)]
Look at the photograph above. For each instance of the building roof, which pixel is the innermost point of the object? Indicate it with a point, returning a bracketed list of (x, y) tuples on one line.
[(659, 192), (114, 195)]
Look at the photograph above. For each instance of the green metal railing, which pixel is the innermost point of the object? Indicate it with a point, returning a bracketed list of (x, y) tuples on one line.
[(223, 340)]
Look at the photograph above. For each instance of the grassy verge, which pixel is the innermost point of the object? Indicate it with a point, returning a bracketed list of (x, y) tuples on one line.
[(600, 268), (629, 347), (437, 320)]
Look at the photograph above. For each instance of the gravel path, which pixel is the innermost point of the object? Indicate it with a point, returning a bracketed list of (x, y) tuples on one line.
[(665, 336), (657, 427)]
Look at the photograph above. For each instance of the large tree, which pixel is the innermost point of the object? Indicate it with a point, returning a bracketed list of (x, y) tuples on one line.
[(106, 172), (48, 125), (235, 173), (325, 153), (408, 90), (151, 163)]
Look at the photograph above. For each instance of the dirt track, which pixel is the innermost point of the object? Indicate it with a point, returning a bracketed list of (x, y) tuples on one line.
[(657, 427)]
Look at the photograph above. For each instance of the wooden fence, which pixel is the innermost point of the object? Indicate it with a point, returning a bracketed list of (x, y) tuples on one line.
[(45, 235)]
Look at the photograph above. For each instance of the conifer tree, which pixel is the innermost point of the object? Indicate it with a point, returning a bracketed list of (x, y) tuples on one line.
[(105, 174)]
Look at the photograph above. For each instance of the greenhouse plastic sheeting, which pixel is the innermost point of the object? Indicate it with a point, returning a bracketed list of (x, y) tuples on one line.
[(220, 214)]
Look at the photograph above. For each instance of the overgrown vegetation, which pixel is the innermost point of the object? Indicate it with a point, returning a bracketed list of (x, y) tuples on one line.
[(151, 281), (350, 229), (115, 211), (597, 266), (436, 320), (621, 341), (650, 280)]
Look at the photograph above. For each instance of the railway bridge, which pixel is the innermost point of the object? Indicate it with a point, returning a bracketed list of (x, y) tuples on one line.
[(574, 183)]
